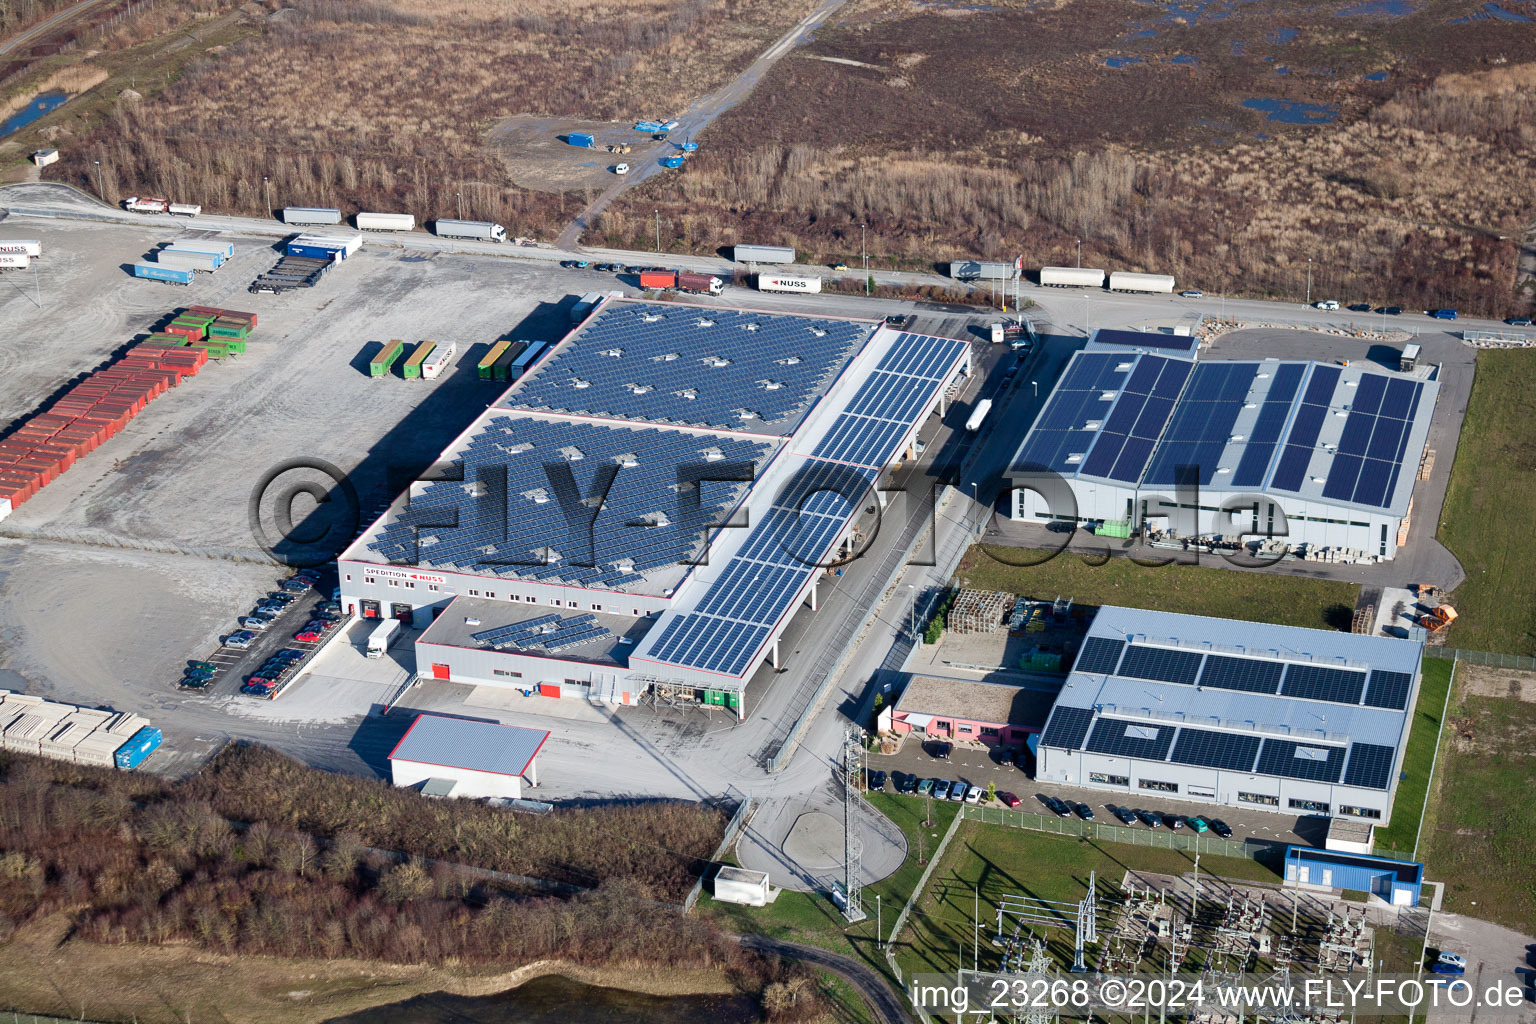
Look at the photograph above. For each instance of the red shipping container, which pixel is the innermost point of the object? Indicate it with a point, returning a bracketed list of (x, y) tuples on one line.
[(61, 455), (16, 493), (43, 471), (50, 419), (13, 451)]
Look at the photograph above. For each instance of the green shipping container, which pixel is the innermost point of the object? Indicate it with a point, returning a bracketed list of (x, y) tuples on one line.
[(503, 368), (381, 363), (236, 346), (412, 368), (487, 366), (228, 331)]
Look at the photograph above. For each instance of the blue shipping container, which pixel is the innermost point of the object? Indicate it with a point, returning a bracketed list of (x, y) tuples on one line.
[(648, 126), (581, 139), (316, 252), (132, 754), (160, 272)]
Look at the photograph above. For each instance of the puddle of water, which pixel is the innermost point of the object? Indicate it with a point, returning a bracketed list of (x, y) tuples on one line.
[(1146, 33), (1184, 58), (1378, 9), (1293, 111), (1282, 70), (1376, 76), (1281, 36), (1121, 62), (39, 106)]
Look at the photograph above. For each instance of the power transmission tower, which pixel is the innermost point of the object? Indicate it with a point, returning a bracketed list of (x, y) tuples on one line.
[(1087, 924), (853, 781)]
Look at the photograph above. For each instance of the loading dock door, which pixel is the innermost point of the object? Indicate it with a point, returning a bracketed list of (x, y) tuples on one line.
[(549, 690), (402, 612), (439, 671), (370, 609)]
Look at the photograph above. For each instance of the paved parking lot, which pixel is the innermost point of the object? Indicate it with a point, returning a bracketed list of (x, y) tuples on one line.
[(978, 765)]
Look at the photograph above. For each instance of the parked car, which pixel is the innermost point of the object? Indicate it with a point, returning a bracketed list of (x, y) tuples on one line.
[(239, 640), (925, 786), (1445, 968), (1084, 811), (1175, 821), (200, 665), (271, 608), (296, 586), (1221, 828), (1391, 310), (1454, 959), (1360, 307), (1125, 814), (1192, 293), (898, 319), (281, 597), (195, 682), (307, 636), (256, 622), (905, 783), (937, 750), (940, 789), (1151, 819), (1198, 824), (581, 264), (1326, 304), (957, 791), (1519, 321), (289, 654), (1443, 314), (313, 575), (1009, 800), (1059, 807), (877, 780), (974, 795)]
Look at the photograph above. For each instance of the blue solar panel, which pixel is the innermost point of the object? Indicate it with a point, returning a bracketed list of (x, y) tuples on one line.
[(1099, 655), (1388, 690), (1319, 682), (1066, 727), (1370, 766), (1250, 675), (1201, 425), (1264, 437), (1211, 749), (1321, 387), (676, 364), (1161, 663), (505, 516), (1299, 760), (1120, 738)]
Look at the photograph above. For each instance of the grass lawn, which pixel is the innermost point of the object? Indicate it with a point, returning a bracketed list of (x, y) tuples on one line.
[(1411, 791), (1196, 589), (812, 918), (1483, 522), (1483, 826), (985, 862)]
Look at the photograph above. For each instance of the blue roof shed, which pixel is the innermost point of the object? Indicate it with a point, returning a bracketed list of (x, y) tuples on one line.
[(1396, 881)]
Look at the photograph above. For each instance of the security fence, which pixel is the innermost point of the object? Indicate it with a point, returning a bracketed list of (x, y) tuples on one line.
[(1520, 661), (1207, 844)]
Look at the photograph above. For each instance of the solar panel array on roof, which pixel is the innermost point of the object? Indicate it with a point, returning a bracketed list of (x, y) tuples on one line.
[(1099, 655), (1264, 437), (1128, 436), (1388, 690), (727, 628), (1319, 682), (1066, 727), (1201, 426), (505, 517), (1145, 339), (889, 401), (1162, 663), (1061, 436), (1301, 443), (1210, 748), (1370, 766), (1120, 738), (1375, 438), (1250, 675), (1299, 760), (550, 633), (702, 367)]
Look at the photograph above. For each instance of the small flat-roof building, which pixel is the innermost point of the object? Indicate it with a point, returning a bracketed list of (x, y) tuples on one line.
[(938, 707), (1140, 431), (1397, 882), (739, 885), (479, 759)]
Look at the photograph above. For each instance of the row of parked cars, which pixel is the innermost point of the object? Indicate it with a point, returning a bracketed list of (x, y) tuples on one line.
[(1199, 824)]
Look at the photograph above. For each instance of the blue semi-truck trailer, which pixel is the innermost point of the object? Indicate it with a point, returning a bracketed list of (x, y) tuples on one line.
[(162, 272)]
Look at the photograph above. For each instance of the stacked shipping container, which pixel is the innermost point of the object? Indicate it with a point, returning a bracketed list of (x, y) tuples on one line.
[(47, 444)]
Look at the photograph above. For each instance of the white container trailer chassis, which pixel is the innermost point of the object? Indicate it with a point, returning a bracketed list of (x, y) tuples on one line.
[(311, 215), (483, 230), (978, 414), (203, 262), (1125, 281), (21, 246), (786, 283), (432, 367), (185, 209), (14, 261), (763, 253), (1072, 277), (386, 222), (383, 638)]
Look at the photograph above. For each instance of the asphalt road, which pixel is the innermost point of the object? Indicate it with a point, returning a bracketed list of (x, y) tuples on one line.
[(877, 994)]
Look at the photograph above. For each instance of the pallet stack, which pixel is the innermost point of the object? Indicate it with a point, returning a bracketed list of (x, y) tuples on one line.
[(95, 409)]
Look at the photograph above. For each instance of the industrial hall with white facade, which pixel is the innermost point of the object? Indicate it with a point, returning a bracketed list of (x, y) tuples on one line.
[(1246, 714), (1142, 433), (580, 553)]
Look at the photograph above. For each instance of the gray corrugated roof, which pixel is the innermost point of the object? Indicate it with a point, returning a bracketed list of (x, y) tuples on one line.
[(476, 746), (1237, 711)]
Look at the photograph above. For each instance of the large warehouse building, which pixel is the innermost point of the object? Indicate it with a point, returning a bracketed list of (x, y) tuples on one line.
[(576, 553), (1245, 714), (1320, 455)]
